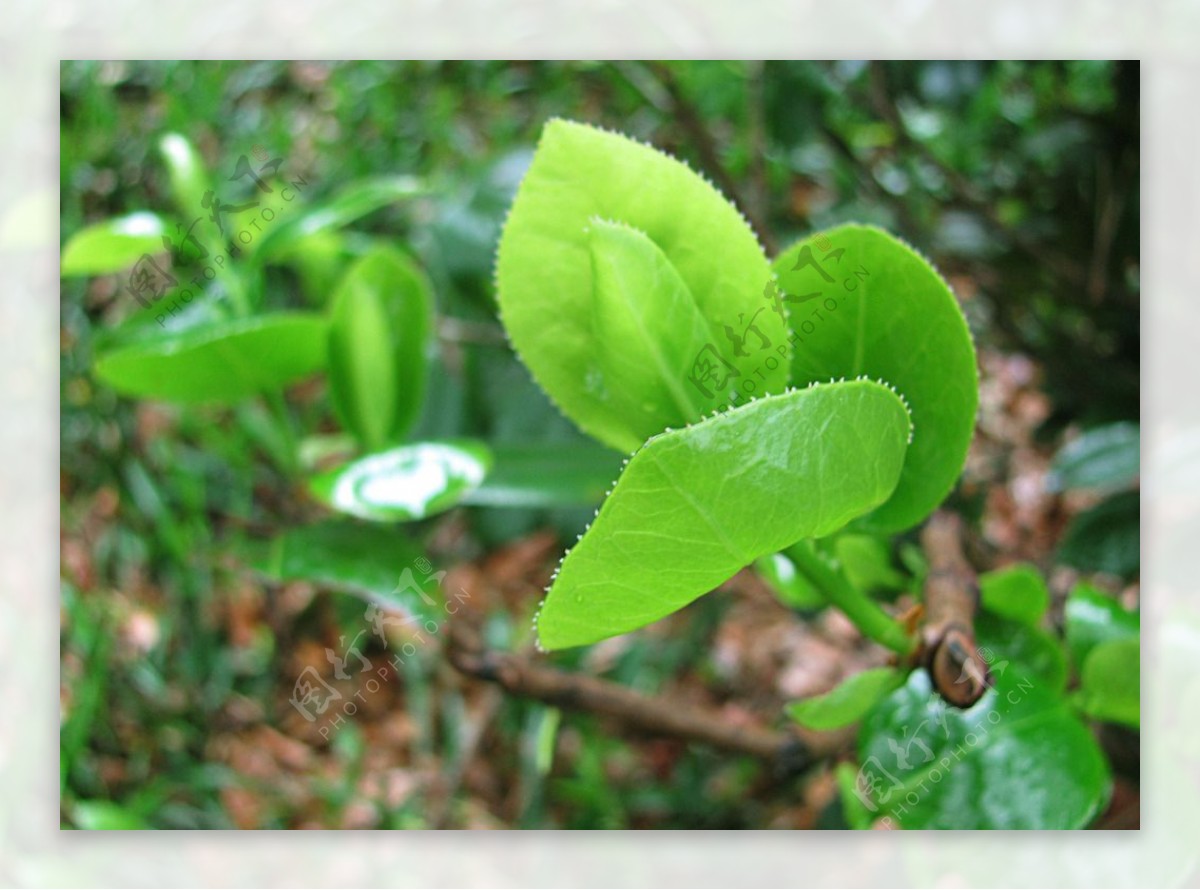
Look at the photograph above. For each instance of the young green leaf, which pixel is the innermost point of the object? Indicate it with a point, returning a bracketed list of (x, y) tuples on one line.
[(848, 702), (644, 347), (405, 483), (1017, 592), (220, 362), (862, 302), (696, 505), (113, 245), (382, 316), (547, 283)]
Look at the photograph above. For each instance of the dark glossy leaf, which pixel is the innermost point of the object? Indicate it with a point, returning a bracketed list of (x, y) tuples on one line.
[(382, 318), (406, 483), (547, 475), (369, 561), (219, 362), (848, 702), (1004, 643), (1093, 617), (1017, 592), (1017, 759), (1107, 457), (1110, 683), (113, 245), (1106, 538)]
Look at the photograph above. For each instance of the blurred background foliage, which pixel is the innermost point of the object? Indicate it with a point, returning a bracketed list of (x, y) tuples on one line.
[(1019, 180)]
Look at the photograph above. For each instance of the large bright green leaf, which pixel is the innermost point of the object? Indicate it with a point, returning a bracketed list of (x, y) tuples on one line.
[(221, 362), (696, 505), (405, 483), (862, 302), (364, 560), (1034, 652), (382, 317), (1017, 759), (847, 702), (548, 278), (114, 244), (1107, 457)]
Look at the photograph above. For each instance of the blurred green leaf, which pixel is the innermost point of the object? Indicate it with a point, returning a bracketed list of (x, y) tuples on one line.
[(350, 204), (1107, 457), (1110, 682), (1006, 644), (382, 317), (366, 560), (547, 475), (1093, 617), (104, 815), (1106, 538), (867, 562), (791, 586), (185, 169), (848, 702), (405, 483), (1018, 592), (113, 245), (220, 362)]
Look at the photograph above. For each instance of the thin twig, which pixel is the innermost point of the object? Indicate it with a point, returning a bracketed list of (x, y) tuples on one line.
[(948, 647), (789, 751)]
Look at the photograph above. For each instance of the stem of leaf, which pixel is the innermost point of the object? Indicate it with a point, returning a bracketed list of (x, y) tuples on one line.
[(866, 614), (287, 433)]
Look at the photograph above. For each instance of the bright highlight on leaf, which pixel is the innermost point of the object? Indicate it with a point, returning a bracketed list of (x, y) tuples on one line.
[(405, 483), (696, 505)]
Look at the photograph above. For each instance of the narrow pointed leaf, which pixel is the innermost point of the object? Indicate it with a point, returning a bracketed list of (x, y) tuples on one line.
[(382, 316), (848, 702), (696, 505)]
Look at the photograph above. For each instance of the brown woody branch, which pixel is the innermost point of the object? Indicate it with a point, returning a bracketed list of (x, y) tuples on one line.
[(789, 751), (948, 649)]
